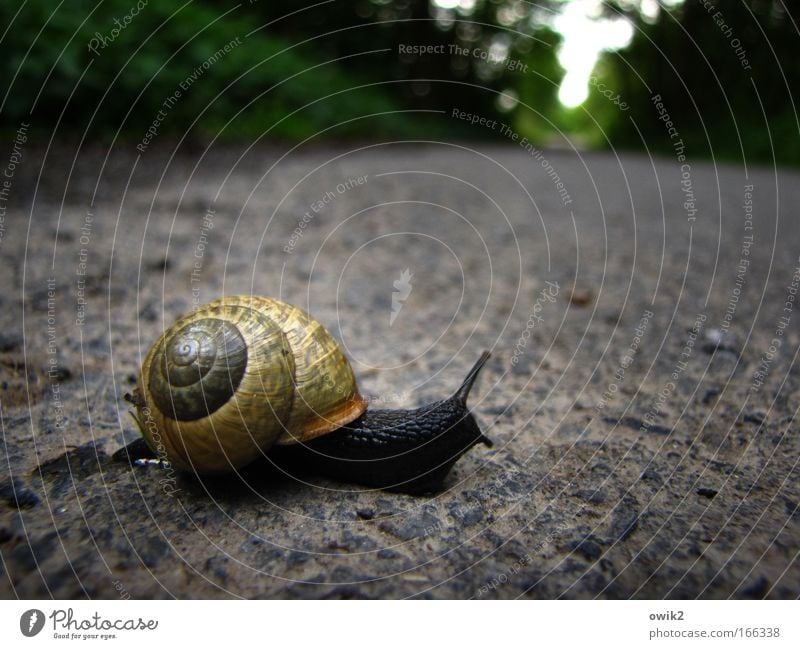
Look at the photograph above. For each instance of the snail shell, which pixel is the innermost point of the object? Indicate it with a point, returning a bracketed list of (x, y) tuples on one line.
[(227, 381)]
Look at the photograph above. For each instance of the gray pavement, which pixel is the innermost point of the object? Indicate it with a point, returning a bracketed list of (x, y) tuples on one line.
[(642, 391)]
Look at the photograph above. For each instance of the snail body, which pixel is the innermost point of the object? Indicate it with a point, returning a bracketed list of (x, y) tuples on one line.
[(398, 450), (248, 376)]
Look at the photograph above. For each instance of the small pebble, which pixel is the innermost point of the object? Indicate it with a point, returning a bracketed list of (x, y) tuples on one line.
[(580, 296), (9, 341), (588, 547), (17, 495), (708, 493), (754, 417), (757, 589), (388, 554), (59, 373), (160, 264), (365, 513)]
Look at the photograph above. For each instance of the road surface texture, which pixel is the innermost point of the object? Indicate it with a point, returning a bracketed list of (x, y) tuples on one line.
[(641, 394)]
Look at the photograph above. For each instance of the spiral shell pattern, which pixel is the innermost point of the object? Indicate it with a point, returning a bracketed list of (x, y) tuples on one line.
[(208, 358), (226, 382)]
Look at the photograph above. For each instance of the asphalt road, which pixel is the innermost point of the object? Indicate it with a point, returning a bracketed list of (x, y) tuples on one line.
[(641, 394)]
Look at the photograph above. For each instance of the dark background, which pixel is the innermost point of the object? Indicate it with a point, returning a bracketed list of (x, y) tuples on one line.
[(332, 70)]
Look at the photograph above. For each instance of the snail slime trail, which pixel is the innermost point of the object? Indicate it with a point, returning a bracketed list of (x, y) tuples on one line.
[(247, 377)]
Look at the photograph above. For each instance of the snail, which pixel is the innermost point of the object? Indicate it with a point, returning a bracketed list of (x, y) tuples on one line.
[(247, 376)]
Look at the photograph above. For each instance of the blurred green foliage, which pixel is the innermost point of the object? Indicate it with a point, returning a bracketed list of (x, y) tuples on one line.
[(263, 85), (727, 72), (300, 70), (334, 70)]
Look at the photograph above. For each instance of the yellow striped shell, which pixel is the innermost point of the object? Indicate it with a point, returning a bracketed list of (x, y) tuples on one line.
[(227, 381)]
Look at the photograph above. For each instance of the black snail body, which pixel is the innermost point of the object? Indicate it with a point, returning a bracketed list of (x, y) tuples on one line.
[(398, 450), (247, 376)]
